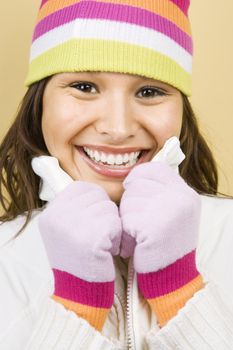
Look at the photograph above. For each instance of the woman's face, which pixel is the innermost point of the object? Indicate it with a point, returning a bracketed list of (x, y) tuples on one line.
[(120, 119)]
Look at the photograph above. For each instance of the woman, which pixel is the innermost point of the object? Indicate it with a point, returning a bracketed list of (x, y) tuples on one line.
[(110, 260)]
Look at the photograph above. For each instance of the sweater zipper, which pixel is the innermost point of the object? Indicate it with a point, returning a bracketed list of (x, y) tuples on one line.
[(130, 329)]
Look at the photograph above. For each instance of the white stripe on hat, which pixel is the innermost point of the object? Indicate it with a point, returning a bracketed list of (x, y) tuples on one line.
[(113, 31)]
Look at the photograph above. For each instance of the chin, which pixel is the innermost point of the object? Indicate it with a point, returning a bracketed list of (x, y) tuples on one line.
[(115, 197), (114, 190)]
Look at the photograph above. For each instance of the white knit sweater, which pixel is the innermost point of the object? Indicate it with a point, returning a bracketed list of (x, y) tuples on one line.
[(30, 319)]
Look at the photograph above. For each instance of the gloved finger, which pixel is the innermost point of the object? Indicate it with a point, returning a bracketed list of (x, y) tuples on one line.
[(116, 242), (127, 247), (101, 208), (144, 187), (141, 204), (81, 194), (156, 171)]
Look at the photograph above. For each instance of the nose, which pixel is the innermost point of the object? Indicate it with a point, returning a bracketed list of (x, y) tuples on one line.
[(117, 121)]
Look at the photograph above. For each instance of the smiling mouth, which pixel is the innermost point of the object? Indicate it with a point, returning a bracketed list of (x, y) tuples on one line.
[(114, 161), (112, 165)]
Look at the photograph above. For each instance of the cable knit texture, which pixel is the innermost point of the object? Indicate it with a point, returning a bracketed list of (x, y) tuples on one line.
[(79, 253), (148, 38), (165, 234)]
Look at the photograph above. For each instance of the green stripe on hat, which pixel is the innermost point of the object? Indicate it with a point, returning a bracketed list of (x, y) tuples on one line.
[(108, 56)]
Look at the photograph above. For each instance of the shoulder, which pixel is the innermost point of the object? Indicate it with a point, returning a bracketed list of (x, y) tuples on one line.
[(214, 253), (24, 251), (220, 204), (9, 229), (216, 217)]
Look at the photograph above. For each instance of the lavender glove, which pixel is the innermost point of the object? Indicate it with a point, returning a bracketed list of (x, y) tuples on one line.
[(162, 213), (81, 230)]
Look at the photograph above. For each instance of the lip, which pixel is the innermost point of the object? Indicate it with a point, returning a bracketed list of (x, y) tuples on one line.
[(107, 170)]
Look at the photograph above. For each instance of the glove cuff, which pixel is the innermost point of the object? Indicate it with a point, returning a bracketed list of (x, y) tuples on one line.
[(90, 300), (168, 289)]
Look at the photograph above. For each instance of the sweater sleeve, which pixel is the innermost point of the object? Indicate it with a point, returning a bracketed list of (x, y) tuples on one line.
[(58, 328), (204, 323), (29, 317)]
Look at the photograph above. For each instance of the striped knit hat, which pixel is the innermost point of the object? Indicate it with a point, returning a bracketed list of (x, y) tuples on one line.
[(151, 38)]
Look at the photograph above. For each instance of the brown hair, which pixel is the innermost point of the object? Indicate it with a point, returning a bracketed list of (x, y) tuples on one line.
[(19, 186), (24, 140)]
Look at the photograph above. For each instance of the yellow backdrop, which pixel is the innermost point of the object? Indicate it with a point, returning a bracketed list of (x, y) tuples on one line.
[(212, 82)]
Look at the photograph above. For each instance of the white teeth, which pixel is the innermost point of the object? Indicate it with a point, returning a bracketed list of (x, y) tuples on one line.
[(119, 159), (126, 158), (131, 157), (97, 156), (111, 159), (103, 158)]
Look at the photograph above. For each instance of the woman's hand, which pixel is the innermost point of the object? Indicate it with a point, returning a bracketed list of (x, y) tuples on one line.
[(160, 215), (81, 230)]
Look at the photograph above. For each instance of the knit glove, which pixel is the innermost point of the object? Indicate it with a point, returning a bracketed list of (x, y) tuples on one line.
[(161, 213), (81, 230)]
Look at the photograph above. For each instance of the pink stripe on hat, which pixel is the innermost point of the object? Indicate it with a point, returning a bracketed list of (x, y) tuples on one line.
[(43, 2), (113, 12), (182, 4)]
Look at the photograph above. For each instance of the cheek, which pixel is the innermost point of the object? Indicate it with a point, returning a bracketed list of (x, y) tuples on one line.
[(60, 123), (165, 122)]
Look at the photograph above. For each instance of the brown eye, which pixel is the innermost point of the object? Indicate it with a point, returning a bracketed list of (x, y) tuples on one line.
[(84, 87), (151, 92)]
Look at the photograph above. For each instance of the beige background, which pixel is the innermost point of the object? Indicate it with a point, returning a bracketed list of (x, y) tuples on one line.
[(213, 71)]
